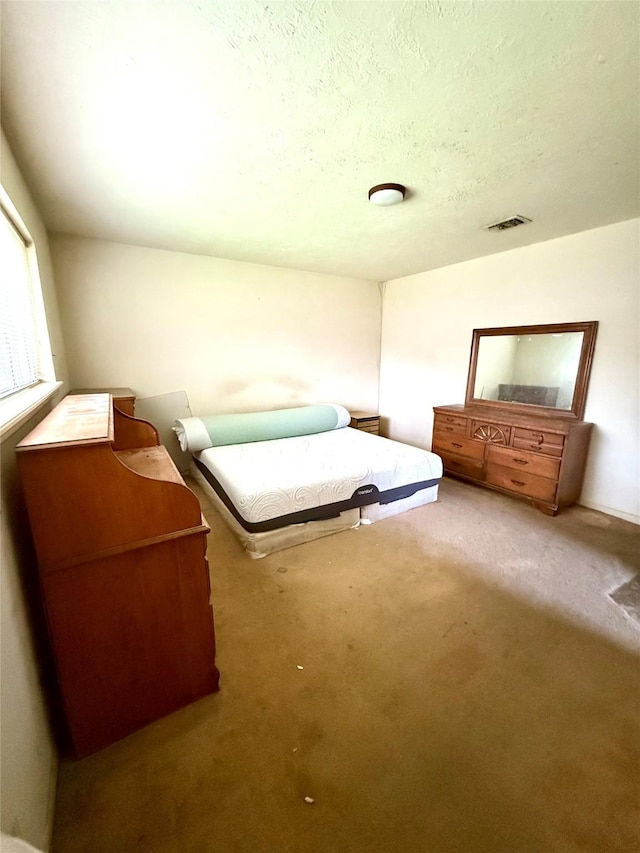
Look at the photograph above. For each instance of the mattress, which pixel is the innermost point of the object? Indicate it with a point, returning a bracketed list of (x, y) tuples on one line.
[(267, 485), (258, 545)]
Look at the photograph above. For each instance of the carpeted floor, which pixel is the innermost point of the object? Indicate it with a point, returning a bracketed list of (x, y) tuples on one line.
[(453, 680), (628, 597)]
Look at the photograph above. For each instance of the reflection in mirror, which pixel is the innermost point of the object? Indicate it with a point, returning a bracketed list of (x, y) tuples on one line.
[(535, 369)]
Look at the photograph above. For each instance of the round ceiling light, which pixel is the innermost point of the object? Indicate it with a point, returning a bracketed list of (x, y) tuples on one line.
[(386, 194)]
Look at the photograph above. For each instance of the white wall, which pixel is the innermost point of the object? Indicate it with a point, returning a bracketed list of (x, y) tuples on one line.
[(426, 339), (28, 755), (235, 336)]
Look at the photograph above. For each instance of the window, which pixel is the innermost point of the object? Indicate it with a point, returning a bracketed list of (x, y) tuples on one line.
[(26, 364), (19, 366)]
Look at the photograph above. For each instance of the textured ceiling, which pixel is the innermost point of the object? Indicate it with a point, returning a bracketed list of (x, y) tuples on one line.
[(253, 130)]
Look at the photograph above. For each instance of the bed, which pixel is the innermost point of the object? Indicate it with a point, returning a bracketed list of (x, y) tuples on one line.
[(276, 490)]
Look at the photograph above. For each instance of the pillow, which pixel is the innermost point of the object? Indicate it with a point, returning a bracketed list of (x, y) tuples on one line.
[(196, 434)]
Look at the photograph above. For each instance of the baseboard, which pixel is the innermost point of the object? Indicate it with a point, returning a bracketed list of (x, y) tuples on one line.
[(607, 510)]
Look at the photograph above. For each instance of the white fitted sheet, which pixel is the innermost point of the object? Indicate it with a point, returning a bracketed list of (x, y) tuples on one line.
[(268, 479)]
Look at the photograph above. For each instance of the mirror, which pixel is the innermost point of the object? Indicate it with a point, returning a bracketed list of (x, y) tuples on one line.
[(532, 367)]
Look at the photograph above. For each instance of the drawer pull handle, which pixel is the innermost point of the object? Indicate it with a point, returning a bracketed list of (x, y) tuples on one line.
[(449, 429), (521, 461), (455, 444), (449, 420), (517, 483)]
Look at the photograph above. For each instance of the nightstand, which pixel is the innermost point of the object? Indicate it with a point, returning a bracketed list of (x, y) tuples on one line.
[(365, 421)]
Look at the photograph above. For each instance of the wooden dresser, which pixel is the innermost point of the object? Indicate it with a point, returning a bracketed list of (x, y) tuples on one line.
[(537, 457), (121, 546)]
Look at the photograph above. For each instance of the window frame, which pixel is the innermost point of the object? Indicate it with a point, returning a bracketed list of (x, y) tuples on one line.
[(18, 407)]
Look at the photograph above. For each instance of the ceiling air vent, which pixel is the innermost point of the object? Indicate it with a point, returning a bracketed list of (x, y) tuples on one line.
[(507, 223)]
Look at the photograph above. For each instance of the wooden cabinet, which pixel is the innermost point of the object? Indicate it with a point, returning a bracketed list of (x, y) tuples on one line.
[(123, 398), (365, 421), (537, 457), (121, 546)]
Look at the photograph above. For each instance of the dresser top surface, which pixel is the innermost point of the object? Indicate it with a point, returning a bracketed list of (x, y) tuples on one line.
[(78, 419), (550, 422)]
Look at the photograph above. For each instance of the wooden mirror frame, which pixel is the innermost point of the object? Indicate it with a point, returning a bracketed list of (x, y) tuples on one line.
[(582, 378)]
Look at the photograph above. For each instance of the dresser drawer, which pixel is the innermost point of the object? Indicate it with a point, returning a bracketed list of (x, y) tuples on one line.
[(461, 465), (544, 442), (521, 482), (457, 445), (490, 433), (450, 423), (522, 460)]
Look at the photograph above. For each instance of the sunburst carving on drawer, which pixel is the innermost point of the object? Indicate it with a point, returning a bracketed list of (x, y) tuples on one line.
[(491, 434)]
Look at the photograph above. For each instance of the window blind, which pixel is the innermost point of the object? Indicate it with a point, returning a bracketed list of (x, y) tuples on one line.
[(19, 350)]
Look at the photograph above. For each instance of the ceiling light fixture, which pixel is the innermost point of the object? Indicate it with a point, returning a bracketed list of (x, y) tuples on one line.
[(386, 194)]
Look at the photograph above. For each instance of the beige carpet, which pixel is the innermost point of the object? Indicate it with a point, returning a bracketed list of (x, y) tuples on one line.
[(454, 679), (628, 597)]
